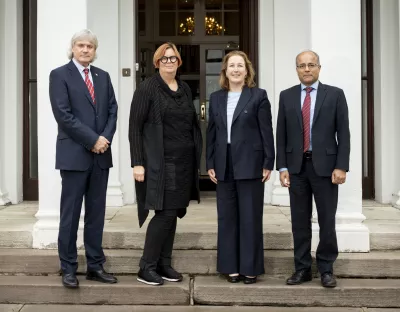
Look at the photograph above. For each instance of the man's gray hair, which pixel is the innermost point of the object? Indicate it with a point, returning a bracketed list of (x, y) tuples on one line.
[(310, 51), (85, 34)]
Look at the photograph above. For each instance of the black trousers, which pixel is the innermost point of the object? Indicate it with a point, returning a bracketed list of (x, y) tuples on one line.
[(159, 239), (302, 187), (91, 184), (240, 205)]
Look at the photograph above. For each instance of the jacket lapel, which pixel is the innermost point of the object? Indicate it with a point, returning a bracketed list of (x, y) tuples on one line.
[(321, 94), (223, 102), (297, 104), (243, 100), (76, 76)]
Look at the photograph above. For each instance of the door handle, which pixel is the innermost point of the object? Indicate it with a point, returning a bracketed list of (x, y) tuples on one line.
[(203, 111)]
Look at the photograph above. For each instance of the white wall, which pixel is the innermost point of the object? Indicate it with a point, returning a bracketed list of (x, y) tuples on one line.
[(386, 99)]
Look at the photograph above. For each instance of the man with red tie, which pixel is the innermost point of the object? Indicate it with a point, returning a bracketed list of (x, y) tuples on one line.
[(84, 106), (313, 150)]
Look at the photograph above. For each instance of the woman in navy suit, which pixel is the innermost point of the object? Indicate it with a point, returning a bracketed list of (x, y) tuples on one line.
[(240, 157)]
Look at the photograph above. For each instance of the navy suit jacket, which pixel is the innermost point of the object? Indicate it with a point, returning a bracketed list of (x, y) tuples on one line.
[(80, 122), (330, 131), (252, 141)]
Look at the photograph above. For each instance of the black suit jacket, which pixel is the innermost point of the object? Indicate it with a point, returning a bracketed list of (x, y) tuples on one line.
[(252, 141), (330, 131), (80, 122)]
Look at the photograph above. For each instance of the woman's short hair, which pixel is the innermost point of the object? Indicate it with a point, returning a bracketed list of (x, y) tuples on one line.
[(85, 34), (248, 80), (160, 52)]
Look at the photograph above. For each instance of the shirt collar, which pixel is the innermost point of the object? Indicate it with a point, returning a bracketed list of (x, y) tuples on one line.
[(314, 86), (79, 66)]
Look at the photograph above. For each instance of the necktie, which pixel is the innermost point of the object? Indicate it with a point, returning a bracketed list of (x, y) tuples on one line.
[(89, 84), (306, 119)]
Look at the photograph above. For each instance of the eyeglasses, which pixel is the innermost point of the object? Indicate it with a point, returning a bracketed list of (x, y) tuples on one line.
[(309, 65), (165, 59)]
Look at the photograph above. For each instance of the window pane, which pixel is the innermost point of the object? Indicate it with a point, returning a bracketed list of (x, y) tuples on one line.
[(167, 4), (213, 4), (185, 4), (186, 23), (365, 127), (142, 5), (142, 23), (190, 55), (167, 24), (231, 4), (33, 142), (231, 23), (214, 61), (213, 24), (32, 39)]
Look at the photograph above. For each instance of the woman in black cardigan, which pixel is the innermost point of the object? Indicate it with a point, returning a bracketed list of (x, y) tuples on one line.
[(165, 143)]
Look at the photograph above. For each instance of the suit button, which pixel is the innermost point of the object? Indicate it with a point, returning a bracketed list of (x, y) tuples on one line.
[(245, 111), (217, 128)]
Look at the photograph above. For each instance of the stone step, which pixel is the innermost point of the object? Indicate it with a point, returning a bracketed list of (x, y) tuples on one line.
[(48, 290), (199, 262), (113, 308), (213, 290), (196, 237)]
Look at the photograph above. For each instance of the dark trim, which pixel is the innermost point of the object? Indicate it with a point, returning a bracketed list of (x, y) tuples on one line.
[(249, 31), (369, 181), (30, 186)]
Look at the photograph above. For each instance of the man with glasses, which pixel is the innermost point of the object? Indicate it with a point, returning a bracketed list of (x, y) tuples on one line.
[(313, 149)]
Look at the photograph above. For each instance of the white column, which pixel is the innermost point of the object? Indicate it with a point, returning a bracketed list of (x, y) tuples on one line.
[(386, 95), (108, 59), (339, 46), (127, 85), (52, 45), (11, 105), (291, 36)]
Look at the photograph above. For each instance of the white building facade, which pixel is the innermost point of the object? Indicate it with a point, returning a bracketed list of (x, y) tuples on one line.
[(286, 27)]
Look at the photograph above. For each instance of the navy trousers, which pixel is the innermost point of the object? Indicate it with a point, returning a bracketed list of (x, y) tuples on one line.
[(76, 185), (240, 205)]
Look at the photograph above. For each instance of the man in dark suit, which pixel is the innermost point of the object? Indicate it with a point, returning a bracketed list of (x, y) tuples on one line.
[(84, 106), (313, 148)]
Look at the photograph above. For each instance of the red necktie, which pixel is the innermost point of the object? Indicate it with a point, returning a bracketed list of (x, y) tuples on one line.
[(89, 84), (306, 119)]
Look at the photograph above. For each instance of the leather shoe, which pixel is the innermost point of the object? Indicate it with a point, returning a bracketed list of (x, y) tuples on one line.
[(234, 279), (299, 277), (101, 276), (69, 280), (328, 280), (249, 280)]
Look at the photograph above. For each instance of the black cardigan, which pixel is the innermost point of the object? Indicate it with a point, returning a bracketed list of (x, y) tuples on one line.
[(146, 144)]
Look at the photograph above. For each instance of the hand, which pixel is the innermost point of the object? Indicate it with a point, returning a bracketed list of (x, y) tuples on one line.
[(211, 174), (138, 173), (338, 176), (285, 179), (266, 175), (101, 145)]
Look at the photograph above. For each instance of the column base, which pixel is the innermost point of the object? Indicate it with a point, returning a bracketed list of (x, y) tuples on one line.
[(396, 200), (280, 196), (115, 196), (45, 233), (4, 201), (352, 235)]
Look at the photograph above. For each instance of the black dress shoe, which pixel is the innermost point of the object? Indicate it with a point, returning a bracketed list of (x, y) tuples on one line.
[(234, 279), (69, 280), (101, 276), (299, 277), (328, 280), (249, 280)]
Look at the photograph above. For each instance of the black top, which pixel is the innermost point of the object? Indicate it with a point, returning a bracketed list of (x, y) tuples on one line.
[(179, 153)]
